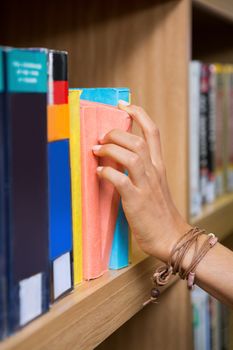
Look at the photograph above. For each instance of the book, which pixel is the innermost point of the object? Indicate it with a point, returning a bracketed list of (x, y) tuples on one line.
[(204, 110), (219, 148), (194, 137), (215, 323), (201, 319), (3, 247), (58, 108), (121, 246), (26, 185), (230, 133), (100, 200), (228, 127), (60, 207), (75, 163), (211, 135)]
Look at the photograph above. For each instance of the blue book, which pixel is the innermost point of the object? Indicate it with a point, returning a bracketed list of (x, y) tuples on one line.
[(119, 257), (25, 184), (60, 217), (60, 208)]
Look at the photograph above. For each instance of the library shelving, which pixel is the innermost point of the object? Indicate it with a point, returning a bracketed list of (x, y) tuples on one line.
[(217, 217), (145, 45)]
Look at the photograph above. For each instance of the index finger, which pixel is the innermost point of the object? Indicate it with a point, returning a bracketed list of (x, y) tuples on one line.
[(149, 129)]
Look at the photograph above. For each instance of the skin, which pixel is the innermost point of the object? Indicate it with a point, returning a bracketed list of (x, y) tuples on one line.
[(149, 208)]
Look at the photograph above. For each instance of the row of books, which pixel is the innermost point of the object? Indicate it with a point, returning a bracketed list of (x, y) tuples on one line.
[(211, 329), (210, 133), (59, 224)]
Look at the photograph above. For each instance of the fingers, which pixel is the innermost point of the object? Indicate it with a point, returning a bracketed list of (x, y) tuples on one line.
[(131, 142), (122, 182), (150, 131), (128, 159)]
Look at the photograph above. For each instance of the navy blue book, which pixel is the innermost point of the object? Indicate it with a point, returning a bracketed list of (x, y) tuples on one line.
[(3, 277), (26, 185)]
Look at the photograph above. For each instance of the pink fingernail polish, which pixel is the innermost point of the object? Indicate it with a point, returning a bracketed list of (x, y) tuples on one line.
[(123, 103), (99, 169), (101, 137), (96, 148)]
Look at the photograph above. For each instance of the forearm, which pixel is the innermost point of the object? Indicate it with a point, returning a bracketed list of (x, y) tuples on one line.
[(148, 205), (215, 272)]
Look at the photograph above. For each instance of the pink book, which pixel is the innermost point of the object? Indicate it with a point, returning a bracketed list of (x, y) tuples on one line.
[(100, 199)]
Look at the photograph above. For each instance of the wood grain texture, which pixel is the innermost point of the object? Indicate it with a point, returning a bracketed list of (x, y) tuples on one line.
[(217, 217), (166, 325), (221, 8), (86, 317), (144, 46), (212, 35)]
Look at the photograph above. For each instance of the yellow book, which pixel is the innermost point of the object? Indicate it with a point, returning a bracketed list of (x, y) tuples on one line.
[(75, 163)]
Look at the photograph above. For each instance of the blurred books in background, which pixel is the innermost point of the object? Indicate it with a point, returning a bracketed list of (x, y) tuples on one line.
[(211, 133)]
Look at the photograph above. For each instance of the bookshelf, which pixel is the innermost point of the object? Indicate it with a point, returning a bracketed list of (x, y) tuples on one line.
[(108, 301), (146, 46), (217, 217)]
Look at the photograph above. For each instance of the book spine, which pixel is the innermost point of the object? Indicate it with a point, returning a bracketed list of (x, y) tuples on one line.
[(230, 133), (75, 162), (121, 252), (194, 146), (26, 185), (204, 110), (3, 273), (215, 319), (60, 207), (211, 132), (226, 119), (201, 319), (219, 130)]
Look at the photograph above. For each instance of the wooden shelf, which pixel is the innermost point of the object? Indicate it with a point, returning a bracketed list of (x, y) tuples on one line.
[(217, 217), (93, 311), (219, 8)]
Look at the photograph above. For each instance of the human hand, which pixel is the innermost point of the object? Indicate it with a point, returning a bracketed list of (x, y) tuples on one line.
[(146, 199)]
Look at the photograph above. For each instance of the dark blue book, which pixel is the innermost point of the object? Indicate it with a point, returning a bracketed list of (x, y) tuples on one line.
[(3, 277), (26, 185)]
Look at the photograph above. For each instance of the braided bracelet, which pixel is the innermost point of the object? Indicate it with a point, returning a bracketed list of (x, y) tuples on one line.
[(177, 255)]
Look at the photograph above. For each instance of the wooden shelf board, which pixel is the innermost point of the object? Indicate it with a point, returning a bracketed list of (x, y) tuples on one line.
[(223, 9), (93, 311), (217, 217)]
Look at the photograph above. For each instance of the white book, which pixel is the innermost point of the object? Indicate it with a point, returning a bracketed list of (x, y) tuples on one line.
[(194, 134)]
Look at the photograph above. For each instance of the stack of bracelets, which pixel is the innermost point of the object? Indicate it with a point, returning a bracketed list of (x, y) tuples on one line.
[(176, 258)]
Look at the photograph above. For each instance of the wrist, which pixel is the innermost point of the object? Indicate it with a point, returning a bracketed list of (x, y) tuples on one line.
[(163, 250)]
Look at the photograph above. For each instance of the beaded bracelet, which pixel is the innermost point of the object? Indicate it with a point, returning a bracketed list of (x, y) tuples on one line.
[(177, 255)]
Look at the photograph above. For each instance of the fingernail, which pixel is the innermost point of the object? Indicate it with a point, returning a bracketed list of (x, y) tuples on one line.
[(96, 148), (101, 137), (123, 103), (99, 169)]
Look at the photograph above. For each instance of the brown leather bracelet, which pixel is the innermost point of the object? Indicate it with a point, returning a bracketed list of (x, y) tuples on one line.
[(174, 265)]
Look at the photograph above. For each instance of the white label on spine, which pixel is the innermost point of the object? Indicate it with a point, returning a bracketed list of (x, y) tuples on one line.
[(61, 275), (30, 298)]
